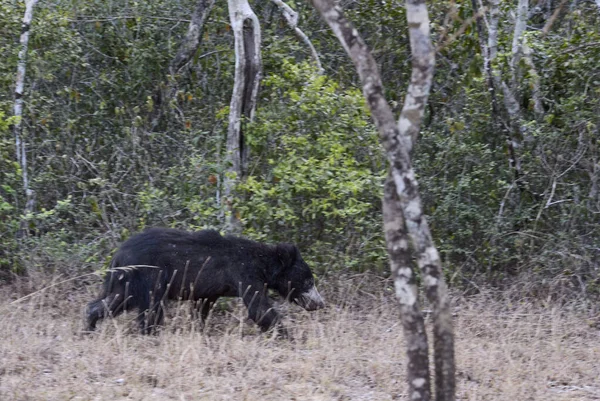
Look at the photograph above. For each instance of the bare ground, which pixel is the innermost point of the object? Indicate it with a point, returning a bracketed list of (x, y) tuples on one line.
[(353, 350)]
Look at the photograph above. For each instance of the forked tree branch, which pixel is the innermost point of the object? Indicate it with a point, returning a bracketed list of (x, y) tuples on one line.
[(402, 202)]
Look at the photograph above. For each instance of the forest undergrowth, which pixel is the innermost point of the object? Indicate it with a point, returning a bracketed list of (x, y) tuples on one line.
[(507, 348)]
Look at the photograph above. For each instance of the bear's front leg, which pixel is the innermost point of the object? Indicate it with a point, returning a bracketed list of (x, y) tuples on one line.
[(260, 308)]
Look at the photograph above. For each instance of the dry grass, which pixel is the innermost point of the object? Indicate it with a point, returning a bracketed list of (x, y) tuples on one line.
[(353, 350)]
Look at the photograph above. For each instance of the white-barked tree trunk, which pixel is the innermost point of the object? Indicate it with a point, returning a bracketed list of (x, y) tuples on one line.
[(248, 72), (403, 213), (20, 144)]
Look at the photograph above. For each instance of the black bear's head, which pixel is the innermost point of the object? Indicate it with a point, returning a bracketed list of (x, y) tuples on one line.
[(294, 279)]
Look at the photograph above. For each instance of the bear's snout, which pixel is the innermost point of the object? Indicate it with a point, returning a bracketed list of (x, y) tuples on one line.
[(311, 300)]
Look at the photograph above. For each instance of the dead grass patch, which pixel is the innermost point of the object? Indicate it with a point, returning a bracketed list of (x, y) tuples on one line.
[(353, 350)]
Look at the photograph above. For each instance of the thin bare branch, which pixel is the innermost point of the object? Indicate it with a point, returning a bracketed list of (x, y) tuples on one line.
[(553, 18), (89, 19), (185, 54), (193, 38), (466, 23), (291, 17)]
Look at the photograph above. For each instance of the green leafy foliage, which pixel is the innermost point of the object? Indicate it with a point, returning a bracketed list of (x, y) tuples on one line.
[(9, 184), (318, 170)]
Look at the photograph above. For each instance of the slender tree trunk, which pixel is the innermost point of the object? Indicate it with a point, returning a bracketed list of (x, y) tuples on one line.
[(291, 17), (510, 92), (485, 51), (248, 72), (402, 203), (188, 48), (423, 61), (403, 274), (493, 28), (517, 43), (510, 102), (20, 145), (536, 92), (520, 51), (193, 38)]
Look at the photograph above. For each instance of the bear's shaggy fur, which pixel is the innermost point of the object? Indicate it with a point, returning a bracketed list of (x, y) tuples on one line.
[(162, 264)]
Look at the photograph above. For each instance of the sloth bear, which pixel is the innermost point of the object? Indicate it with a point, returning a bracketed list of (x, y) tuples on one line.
[(162, 264)]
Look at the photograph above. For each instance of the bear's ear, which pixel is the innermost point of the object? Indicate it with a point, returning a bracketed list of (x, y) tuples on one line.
[(287, 254)]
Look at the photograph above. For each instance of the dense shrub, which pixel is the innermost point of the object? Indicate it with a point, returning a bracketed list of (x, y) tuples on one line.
[(317, 170)]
